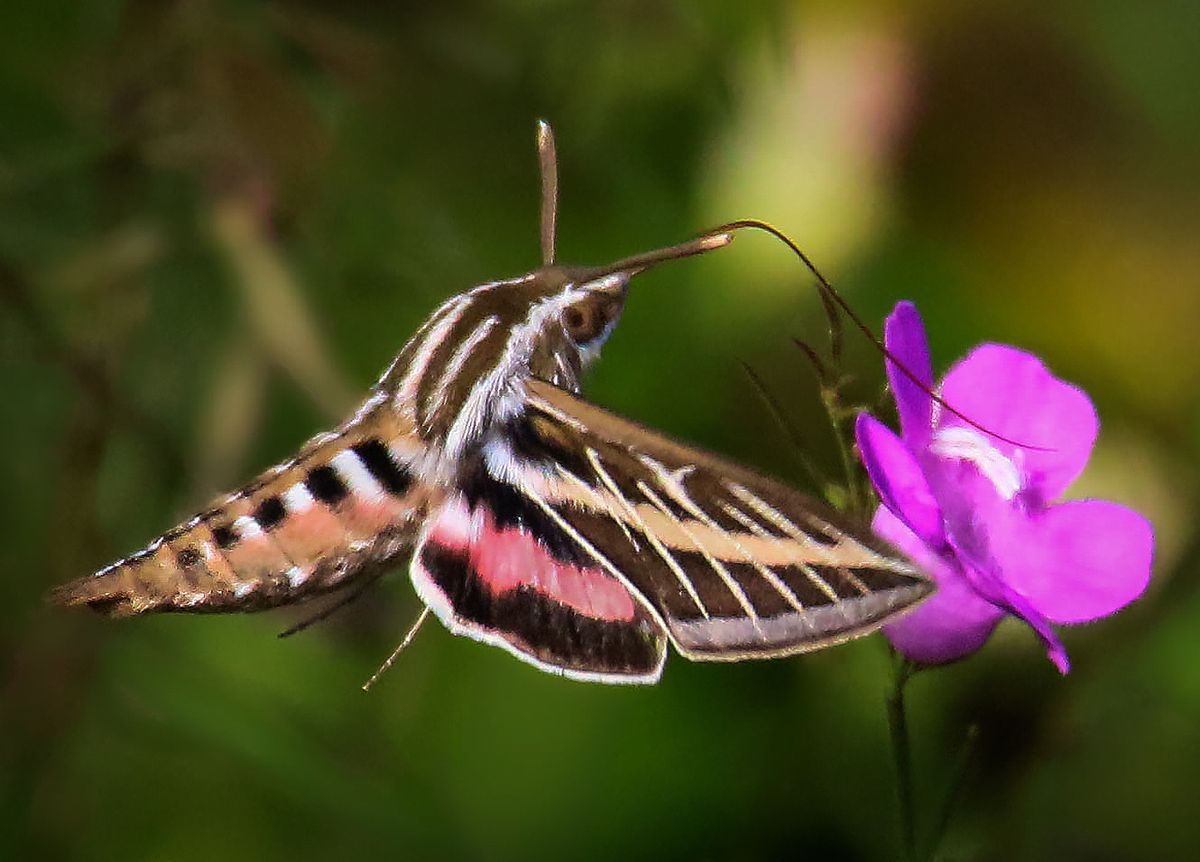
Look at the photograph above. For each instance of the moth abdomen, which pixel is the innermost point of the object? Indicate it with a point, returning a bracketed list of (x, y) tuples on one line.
[(347, 503)]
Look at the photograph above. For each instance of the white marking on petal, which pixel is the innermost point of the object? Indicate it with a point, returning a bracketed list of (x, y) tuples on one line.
[(967, 444)]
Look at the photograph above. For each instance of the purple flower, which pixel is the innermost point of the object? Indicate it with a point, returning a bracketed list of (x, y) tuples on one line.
[(977, 512)]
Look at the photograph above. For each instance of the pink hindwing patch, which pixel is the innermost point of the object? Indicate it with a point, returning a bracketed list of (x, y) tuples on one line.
[(506, 559), (500, 583)]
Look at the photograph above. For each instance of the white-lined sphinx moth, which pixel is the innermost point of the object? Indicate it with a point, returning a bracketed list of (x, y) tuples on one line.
[(579, 541)]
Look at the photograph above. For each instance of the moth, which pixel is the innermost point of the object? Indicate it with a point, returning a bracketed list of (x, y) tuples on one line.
[(577, 540)]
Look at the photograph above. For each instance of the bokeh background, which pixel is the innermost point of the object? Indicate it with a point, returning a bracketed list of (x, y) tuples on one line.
[(219, 219)]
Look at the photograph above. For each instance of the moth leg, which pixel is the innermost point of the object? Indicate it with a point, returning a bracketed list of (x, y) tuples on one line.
[(347, 598), (391, 660)]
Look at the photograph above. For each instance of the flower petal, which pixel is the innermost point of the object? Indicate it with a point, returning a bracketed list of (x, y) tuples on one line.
[(981, 527), (904, 336), (898, 478), (1055, 651), (1012, 394), (954, 621), (970, 504), (984, 576), (1076, 561)]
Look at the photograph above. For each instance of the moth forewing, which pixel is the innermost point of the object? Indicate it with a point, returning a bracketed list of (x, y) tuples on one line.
[(737, 565)]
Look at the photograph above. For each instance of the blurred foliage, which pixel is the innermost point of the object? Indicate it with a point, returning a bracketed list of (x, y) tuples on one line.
[(219, 218)]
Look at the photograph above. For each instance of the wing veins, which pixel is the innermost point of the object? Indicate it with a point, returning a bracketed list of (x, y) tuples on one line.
[(780, 520), (599, 557), (599, 504), (777, 583), (733, 586), (658, 546)]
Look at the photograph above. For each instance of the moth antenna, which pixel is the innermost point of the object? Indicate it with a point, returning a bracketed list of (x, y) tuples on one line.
[(391, 660), (548, 162), (631, 265), (829, 294)]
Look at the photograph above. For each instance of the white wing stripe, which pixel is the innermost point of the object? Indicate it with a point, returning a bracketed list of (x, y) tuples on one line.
[(769, 576), (777, 518), (733, 586), (753, 526), (658, 546), (600, 505)]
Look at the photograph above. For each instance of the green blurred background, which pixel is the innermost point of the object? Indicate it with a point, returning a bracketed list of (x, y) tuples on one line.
[(218, 220)]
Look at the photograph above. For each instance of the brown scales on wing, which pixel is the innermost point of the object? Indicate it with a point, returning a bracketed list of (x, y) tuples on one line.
[(344, 507)]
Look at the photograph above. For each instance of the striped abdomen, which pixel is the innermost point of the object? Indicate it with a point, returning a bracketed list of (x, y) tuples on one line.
[(346, 505)]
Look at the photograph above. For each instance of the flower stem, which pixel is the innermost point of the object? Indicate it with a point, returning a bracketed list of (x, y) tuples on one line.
[(954, 789), (902, 756)]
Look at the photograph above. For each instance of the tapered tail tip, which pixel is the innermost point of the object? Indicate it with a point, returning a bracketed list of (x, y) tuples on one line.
[(88, 593)]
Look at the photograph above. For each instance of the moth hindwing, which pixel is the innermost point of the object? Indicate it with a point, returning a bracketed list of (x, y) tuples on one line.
[(579, 541)]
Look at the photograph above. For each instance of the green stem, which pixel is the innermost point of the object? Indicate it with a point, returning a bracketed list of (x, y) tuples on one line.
[(797, 446), (833, 406), (902, 756), (953, 789)]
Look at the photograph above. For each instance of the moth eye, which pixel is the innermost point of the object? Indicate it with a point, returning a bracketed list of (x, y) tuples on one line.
[(578, 324)]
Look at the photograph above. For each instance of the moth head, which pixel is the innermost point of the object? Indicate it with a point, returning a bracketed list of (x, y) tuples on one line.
[(581, 312), (465, 370), (584, 305), (592, 311), (577, 308)]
